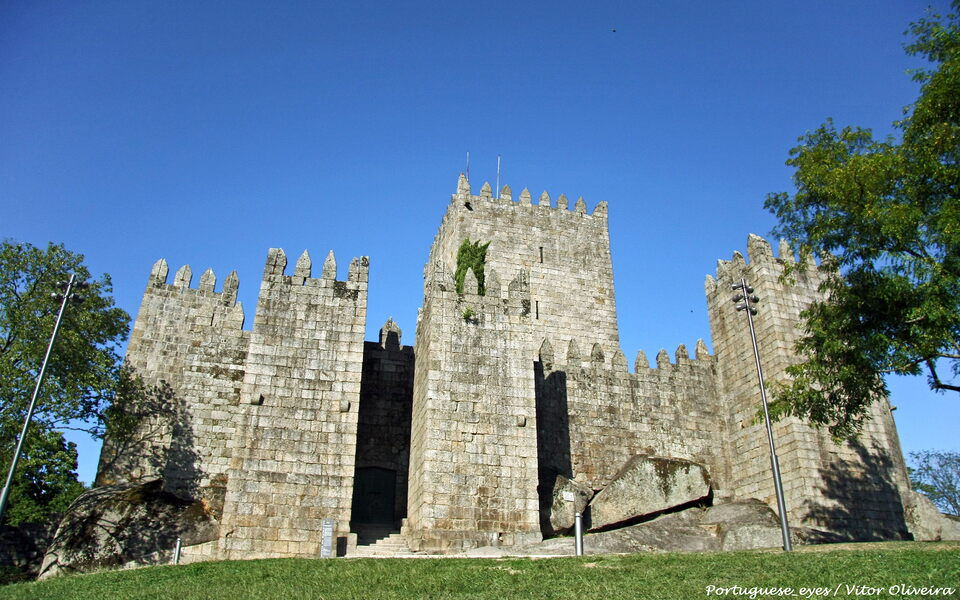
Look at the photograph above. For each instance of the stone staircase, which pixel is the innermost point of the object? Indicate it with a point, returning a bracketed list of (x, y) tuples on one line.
[(381, 541)]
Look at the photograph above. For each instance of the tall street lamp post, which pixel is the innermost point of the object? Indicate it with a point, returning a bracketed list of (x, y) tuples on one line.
[(67, 294), (745, 301)]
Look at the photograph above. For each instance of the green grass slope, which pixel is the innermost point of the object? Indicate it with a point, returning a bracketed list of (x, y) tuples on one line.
[(896, 570)]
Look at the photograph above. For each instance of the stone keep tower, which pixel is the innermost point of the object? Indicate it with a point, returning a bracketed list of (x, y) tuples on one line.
[(473, 457), (855, 488), (188, 342)]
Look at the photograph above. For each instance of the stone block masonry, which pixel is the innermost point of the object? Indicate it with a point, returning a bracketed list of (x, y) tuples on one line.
[(189, 346), (854, 488), (473, 479), (462, 437), (593, 415), (293, 460)]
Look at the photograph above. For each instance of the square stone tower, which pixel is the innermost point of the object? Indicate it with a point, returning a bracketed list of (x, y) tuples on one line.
[(854, 489), (473, 457)]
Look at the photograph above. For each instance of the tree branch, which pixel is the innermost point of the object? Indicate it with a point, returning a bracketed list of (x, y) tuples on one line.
[(91, 430), (937, 384)]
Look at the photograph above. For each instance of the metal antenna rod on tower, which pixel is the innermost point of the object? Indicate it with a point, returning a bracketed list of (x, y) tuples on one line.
[(468, 165), (498, 177)]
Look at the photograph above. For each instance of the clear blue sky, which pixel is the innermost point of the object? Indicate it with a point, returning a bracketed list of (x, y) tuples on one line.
[(208, 132)]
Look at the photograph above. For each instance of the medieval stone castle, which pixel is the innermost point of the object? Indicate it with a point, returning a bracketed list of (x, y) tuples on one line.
[(458, 441)]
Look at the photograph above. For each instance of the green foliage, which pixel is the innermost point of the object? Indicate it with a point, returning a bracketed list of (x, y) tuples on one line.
[(81, 374), (886, 218), (471, 256), (469, 314), (937, 474), (641, 576), (46, 480)]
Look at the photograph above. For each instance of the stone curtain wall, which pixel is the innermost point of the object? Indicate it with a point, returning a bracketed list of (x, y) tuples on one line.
[(473, 472), (293, 460), (854, 488), (594, 415), (189, 347)]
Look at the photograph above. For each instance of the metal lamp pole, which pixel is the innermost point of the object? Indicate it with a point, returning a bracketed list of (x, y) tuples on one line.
[(744, 301), (33, 400)]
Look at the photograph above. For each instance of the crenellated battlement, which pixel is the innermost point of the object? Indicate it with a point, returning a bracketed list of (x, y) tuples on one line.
[(597, 362), (760, 261), (605, 414), (463, 198), (274, 271), (183, 279)]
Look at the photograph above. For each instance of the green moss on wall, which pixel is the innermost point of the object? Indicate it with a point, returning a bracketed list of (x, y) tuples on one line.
[(471, 256)]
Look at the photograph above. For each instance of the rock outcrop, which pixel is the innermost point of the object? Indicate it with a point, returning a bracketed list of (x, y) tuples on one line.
[(741, 525), (744, 525), (647, 485), (950, 530), (569, 498), (114, 526), (925, 522)]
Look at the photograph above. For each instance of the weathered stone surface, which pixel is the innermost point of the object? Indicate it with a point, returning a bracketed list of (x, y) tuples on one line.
[(112, 526), (923, 518), (647, 485), (950, 528), (744, 525), (741, 525), (677, 532), (569, 498), (926, 523), (748, 511)]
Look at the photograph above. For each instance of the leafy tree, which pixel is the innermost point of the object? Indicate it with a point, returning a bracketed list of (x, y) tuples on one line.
[(46, 480), (885, 217), (81, 375), (471, 256), (937, 474)]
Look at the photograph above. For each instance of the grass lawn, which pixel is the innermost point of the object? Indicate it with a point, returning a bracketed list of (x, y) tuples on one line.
[(889, 570)]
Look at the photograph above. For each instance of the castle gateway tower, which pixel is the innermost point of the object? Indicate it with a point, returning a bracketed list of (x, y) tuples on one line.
[(517, 386)]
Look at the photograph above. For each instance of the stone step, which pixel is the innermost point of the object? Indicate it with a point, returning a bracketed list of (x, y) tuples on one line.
[(390, 541), (391, 544)]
